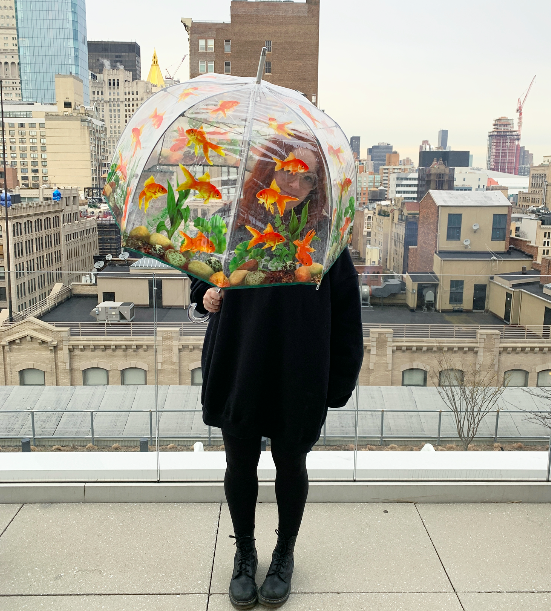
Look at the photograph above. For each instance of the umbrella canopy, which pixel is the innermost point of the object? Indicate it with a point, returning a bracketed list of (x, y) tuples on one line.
[(236, 182)]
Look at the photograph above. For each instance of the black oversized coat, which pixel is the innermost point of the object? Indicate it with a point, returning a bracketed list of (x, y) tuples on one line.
[(275, 358)]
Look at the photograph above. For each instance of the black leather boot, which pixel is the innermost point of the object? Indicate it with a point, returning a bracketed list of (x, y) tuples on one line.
[(277, 586), (243, 591)]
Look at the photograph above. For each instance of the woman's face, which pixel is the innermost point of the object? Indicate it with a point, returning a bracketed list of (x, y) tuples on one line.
[(300, 184)]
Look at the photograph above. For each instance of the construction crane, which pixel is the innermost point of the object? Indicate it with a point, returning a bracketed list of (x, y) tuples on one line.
[(177, 68), (520, 106)]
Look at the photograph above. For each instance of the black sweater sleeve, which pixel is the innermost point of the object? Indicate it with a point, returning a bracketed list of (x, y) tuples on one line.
[(346, 334), (198, 290)]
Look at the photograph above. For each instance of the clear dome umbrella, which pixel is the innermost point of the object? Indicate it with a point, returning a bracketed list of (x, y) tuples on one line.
[(235, 181)]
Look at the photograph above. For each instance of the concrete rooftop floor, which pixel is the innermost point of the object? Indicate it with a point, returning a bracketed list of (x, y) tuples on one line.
[(383, 557)]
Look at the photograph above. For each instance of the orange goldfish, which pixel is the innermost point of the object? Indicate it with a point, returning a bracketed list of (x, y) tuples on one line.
[(122, 168), (271, 237), (344, 185), (202, 185), (151, 190), (181, 141), (304, 249), (199, 138), (280, 128), (200, 243), (125, 209), (272, 196), (325, 125), (291, 164), (345, 227), (156, 119), (136, 134), (225, 107), (336, 153), (186, 93), (310, 116)]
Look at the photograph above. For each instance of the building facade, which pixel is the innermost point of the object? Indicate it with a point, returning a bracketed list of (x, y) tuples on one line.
[(115, 55), (289, 31), (452, 159), (378, 153), (443, 139), (9, 58), (539, 189), (404, 185), (355, 146), (437, 177), (504, 147), (52, 40), (116, 97), (526, 161), (48, 243)]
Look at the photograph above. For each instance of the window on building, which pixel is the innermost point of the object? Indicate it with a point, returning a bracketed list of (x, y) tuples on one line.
[(450, 377), (268, 46), (31, 377), (210, 45), (268, 68), (95, 376), (456, 291), (515, 377), (414, 377), (454, 227), (227, 46), (499, 225), (227, 67), (197, 377), (544, 377), (202, 67), (210, 66), (133, 375), (202, 44)]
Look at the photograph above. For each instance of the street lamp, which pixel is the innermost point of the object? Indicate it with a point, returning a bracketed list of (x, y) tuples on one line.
[(6, 205)]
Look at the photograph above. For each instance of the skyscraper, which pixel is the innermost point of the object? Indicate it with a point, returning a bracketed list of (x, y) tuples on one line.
[(9, 57), (378, 154), (355, 146), (111, 55), (52, 40), (504, 147), (443, 139)]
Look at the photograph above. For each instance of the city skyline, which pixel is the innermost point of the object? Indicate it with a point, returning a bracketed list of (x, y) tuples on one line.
[(410, 60)]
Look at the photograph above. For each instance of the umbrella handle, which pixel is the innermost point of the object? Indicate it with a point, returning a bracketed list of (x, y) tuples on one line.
[(191, 312)]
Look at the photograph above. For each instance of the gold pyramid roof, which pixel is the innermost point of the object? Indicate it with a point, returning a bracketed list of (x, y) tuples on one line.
[(155, 77)]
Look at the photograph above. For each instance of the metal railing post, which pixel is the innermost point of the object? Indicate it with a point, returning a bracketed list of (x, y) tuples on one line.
[(209, 434), (549, 459), (497, 424), (150, 427), (439, 427), (325, 432), (92, 426), (32, 425), (382, 426)]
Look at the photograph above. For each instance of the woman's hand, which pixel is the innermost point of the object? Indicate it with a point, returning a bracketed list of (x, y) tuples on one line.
[(212, 300)]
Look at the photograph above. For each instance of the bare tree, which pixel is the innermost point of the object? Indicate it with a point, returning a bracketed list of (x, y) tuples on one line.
[(470, 391), (543, 393)]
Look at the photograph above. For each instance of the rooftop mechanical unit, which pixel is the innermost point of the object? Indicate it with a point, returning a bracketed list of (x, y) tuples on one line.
[(113, 311)]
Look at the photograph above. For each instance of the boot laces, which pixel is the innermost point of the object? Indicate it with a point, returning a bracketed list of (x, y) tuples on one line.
[(245, 559), (280, 557)]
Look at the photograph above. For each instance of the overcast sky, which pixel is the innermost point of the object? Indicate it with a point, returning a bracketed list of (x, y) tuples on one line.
[(391, 72)]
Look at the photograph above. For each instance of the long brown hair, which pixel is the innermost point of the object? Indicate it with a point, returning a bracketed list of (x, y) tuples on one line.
[(251, 211)]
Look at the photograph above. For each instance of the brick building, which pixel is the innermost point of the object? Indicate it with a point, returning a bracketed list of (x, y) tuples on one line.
[(289, 30)]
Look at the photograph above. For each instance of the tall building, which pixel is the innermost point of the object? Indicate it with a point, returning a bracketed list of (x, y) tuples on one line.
[(52, 40), (378, 153), (526, 160), (539, 189), (289, 31), (155, 76), (49, 244), (404, 186), (9, 59), (55, 144), (437, 177), (114, 55), (504, 147), (116, 98), (355, 146), (453, 159), (443, 139)]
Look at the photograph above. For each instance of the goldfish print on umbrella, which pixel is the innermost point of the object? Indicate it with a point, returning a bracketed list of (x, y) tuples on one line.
[(304, 249), (156, 119), (202, 185), (269, 236), (310, 116), (225, 107), (344, 185), (272, 196), (181, 141), (199, 139), (200, 243), (186, 93), (336, 153), (151, 190), (280, 128), (125, 209), (292, 164), (136, 135), (344, 228), (121, 168)]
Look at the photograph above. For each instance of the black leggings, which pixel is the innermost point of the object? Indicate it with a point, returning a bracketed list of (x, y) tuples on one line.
[(241, 485)]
